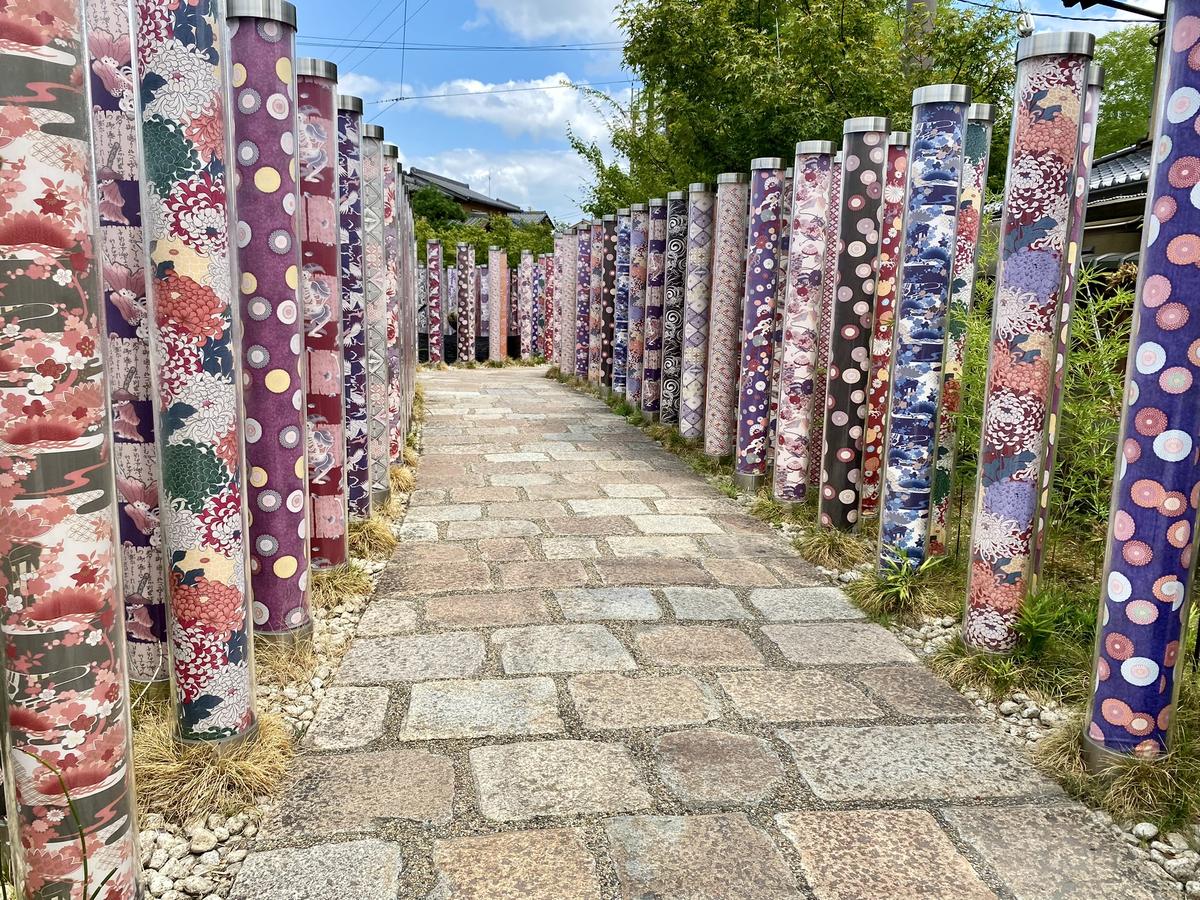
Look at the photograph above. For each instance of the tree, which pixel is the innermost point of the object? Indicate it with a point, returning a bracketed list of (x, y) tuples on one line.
[(1128, 57), (435, 207), (500, 231)]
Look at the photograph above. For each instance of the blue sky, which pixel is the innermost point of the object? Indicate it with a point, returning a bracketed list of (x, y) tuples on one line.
[(516, 139)]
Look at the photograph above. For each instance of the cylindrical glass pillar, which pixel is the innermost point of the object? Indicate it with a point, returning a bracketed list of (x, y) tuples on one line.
[(262, 45), (935, 170), (583, 301), (118, 176), (316, 87), (891, 240), (697, 297), (197, 371), (1035, 257), (639, 236), (375, 292), (535, 318), (354, 312), (549, 313), (621, 306), (497, 286), (656, 251), (567, 273), (69, 778), (725, 313), (785, 233), (828, 283), (394, 261), (1150, 562), (464, 283), (595, 301), (674, 286), (864, 159), (758, 321), (433, 298), (808, 247), (608, 301), (482, 322), (525, 302)]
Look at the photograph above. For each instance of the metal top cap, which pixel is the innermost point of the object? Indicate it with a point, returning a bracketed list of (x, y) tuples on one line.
[(1052, 43), (898, 139), (789, 172), (276, 10), (462, 245), (677, 195), (837, 157), (732, 178), (699, 187), (814, 147), (583, 229), (637, 207), (657, 201), (941, 93), (597, 223), (623, 211), (372, 131), (316, 68), (494, 247), (1096, 75), (981, 112), (390, 149), (612, 217), (766, 162), (865, 123), (350, 103)]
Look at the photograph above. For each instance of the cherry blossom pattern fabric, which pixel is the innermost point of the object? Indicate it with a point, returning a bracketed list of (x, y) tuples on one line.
[(64, 663), (583, 301), (811, 185), (674, 285), (656, 251), (934, 176), (878, 389), (864, 159), (758, 320), (433, 298), (567, 273), (608, 302), (970, 206), (375, 292), (183, 75), (525, 302), (621, 309), (828, 282), (697, 297), (1034, 255), (1149, 567), (639, 235), (785, 233), (596, 304), (725, 318), (497, 286), (114, 133), (354, 330)]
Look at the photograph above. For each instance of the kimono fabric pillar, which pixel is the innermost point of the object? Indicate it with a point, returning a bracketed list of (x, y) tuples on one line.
[(785, 232), (391, 248), (423, 306), (758, 321), (807, 249), (595, 301), (567, 279), (549, 301), (375, 293), (1087, 141), (262, 38), (828, 282), (656, 249), (316, 89), (864, 158), (482, 322), (639, 234), (66, 743), (196, 367), (1035, 259), (535, 318), (1149, 566), (696, 299), (674, 284), (433, 298), (583, 301), (464, 283), (497, 283), (118, 183), (891, 239), (935, 170), (621, 306), (725, 315), (525, 302), (970, 208), (354, 314), (608, 302)]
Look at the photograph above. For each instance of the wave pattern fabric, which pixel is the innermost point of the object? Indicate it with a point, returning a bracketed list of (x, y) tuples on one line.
[(621, 309), (1035, 252), (656, 250), (608, 302), (639, 235), (725, 318), (697, 298), (807, 251), (864, 159), (674, 286), (583, 302), (354, 313), (934, 179), (828, 283), (434, 298)]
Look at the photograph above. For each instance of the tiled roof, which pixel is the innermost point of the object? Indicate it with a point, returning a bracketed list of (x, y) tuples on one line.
[(460, 190), (1130, 166)]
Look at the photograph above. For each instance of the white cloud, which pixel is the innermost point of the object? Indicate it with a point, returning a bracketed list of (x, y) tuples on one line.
[(369, 87), (538, 19), (541, 179), (1092, 21)]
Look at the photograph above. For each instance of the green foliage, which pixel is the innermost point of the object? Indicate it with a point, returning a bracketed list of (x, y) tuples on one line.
[(1127, 55), (899, 589), (436, 208), (500, 231)]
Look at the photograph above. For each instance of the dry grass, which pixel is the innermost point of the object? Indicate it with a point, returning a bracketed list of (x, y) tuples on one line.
[(832, 549), (187, 781), (372, 538), (411, 458), (331, 586), (402, 480), (283, 663)]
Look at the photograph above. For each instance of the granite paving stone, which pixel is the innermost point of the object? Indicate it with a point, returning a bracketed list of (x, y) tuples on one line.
[(491, 528), (463, 512), (696, 647), (387, 615), (704, 604), (914, 691), (606, 701), (805, 604), (845, 644), (740, 573), (505, 550), (348, 718), (629, 491), (549, 864), (554, 649), (651, 571), (570, 548), (608, 507), (643, 546), (710, 767), (417, 657), (355, 870), (676, 525), (810, 695), (441, 710), (596, 604), (542, 574), (486, 610)]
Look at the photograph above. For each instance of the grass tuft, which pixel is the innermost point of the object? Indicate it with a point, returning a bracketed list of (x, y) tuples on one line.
[(331, 586), (372, 538), (183, 782), (411, 457), (900, 590), (402, 479), (282, 662), (832, 549)]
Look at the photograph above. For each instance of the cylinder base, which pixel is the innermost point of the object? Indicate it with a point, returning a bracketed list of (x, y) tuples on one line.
[(751, 484), (291, 637)]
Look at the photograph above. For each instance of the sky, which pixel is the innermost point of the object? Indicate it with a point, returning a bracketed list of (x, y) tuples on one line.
[(497, 134)]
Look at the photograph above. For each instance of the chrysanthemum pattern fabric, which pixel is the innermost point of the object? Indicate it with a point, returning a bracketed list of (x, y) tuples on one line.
[(697, 298), (725, 319), (674, 285)]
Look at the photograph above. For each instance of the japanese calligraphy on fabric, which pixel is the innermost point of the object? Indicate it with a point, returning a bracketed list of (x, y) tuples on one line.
[(354, 325), (639, 235), (656, 250), (674, 286), (697, 296), (725, 319)]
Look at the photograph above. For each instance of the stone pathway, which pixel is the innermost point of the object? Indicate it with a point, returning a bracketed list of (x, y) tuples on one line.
[(589, 675)]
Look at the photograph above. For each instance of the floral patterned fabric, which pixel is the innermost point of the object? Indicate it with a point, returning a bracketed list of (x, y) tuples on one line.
[(583, 301), (596, 305), (548, 307), (758, 320), (392, 252), (674, 285), (608, 302), (535, 319), (878, 388), (811, 186), (433, 298), (354, 326), (785, 235), (525, 302), (566, 270), (697, 297), (464, 285), (656, 249), (639, 233), (864, 158), (1150, 567), (725, 317), (1035, 252), (375, 292), (621, 309), (114, 132), (192, 309), (482, 312), (828, 283), (497, 287), (970, 205), (934, 175), (66, 705)]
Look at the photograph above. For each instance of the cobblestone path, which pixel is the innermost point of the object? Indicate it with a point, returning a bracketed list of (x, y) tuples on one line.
[(587, 674)]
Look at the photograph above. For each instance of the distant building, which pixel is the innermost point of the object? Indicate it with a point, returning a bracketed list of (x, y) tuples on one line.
[(1117, 207), (478, 207)]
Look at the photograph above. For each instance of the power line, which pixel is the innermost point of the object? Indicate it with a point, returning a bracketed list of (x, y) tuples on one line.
[(546, 87), (358, 24), (1040, 15), (392, 33), (339, 43)]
